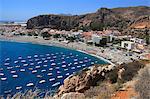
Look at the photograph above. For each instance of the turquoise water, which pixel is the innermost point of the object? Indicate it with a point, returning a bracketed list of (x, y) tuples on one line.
[(28, 66)]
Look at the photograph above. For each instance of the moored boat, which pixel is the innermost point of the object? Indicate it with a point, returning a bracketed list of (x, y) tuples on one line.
[(30, 84)]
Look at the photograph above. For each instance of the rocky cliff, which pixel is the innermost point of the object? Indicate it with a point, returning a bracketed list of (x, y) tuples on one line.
[(118, 18)]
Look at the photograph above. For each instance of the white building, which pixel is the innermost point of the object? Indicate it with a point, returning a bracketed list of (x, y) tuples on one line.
[(96, 39), (137, 40), (128, 45)]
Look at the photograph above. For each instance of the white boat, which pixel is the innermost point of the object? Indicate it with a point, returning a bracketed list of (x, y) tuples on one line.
[(85, 61), (15, 76), (35, 56), (18, 87), (84, 65), (78, 66), (54, 57), (75, 59), (25, 64), (30, 84), (16, 62), (72, 67), (67, 74), (1, 69), (53, 64), (75, 63), (52, 79), (3, 79), (66, 69), (8, 91), (39, 62), (48, 57), (43, 70), (6, 64), (28, 56), (34, 71), (49, 74), (50, 69), (63, 55), (39, 76), (63, 66), (58, 72), (45, 65), (72, 56), (59, 77), (63, 58), (52, 54), (92, 63), (57, 68), (7, 59), (17, 66), (45, 61), (13, 72), (37, 67), (89, 59), (96, 61), (22, 70), (47, 54), (67, 57), (56, 84), (43, 58), (51, 60), (31, 63), (8, 68), (85, 58), (23, 61), (1, 74), (19, 57), (31, 60), (42, 81), (58, 63), (80, 62), (63, 62)]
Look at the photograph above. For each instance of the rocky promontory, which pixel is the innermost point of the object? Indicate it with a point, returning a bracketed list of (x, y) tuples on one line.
[(83, 80)]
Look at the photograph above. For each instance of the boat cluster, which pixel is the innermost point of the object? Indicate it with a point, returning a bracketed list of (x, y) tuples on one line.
[(40, 65)]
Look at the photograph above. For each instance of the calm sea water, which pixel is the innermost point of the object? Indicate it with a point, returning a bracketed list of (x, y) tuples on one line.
[(44, 66)]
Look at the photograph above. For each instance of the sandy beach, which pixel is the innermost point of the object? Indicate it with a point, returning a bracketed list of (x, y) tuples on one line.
[(113, 56)]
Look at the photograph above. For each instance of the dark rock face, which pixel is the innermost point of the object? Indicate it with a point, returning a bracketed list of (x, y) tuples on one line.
[(118, 18), (53, 21)]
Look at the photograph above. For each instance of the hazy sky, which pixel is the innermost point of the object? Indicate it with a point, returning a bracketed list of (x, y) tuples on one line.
[(25, 9)]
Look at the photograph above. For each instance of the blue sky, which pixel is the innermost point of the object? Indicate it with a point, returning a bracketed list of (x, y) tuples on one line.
[(25, 9)]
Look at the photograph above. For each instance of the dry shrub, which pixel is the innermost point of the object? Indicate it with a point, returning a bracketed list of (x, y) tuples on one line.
[(143, 84), (131, 70), (103, 91)]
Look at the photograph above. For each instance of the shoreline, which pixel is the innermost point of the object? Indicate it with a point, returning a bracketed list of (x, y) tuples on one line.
[(56, 45)]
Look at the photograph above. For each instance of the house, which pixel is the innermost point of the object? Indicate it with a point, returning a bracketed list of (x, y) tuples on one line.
[(128, 45), (96, 39)]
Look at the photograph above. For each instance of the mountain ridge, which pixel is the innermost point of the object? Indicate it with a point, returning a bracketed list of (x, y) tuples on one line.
[(116, 18)]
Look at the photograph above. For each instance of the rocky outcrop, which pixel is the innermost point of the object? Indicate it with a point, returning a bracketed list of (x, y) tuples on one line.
[(84, 79), (118, 18)]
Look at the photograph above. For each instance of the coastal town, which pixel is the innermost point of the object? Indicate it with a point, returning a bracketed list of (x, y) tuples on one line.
[(102, 54), (109, 44)]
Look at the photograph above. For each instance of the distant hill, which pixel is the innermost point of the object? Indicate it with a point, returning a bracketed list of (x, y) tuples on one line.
[(116, 18)]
